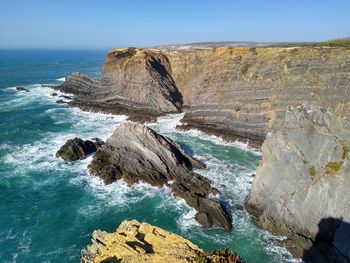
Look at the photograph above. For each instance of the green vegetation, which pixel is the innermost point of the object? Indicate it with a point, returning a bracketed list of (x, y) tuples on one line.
[(345, 152), (343, 42), (333, 167), (312, 170), (245, 68), (253, 50)]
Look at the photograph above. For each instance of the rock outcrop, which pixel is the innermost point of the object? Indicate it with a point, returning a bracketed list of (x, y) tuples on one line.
[(301, 188), (136, 153), (135, 242), (22, 89), (78, 149), (233, 92), (134, 82)]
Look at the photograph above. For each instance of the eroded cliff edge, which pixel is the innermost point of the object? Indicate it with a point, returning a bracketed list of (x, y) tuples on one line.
[(301, 188), (228, 91)]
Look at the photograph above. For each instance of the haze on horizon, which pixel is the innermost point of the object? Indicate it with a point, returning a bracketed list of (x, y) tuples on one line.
[(107, 24)]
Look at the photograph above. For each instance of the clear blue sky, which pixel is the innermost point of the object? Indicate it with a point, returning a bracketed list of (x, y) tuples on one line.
[(107, 23)]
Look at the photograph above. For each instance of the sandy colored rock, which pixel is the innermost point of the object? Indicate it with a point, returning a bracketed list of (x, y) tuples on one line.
[(234, 92), (136, 242)]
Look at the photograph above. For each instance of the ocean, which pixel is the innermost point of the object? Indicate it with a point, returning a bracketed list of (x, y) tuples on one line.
[(49, 208)]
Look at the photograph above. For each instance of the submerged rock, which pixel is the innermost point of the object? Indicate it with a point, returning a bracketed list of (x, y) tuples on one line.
[(78, 149), (301, 189), (22, 89), (135, 242), (136, 153)]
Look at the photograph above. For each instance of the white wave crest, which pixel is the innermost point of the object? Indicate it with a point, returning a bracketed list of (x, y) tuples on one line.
[(61, 79)]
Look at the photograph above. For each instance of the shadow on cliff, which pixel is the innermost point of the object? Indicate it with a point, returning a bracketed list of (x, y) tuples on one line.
[(331, 244)]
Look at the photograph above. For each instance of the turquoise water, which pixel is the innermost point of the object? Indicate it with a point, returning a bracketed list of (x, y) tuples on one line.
[(49, 208)]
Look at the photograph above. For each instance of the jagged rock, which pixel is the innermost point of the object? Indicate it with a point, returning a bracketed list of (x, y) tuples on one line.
[(79, 84), (224, 255), (60, 102), (135, 242), (22, 89), (66, 97), (239, 207), (78, 149), (301, 188), (136, 153)]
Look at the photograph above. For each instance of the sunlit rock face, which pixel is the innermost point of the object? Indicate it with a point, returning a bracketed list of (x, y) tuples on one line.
[(302, 184)]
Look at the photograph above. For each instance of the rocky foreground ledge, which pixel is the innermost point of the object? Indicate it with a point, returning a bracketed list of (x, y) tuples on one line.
[(136, 153), (302, 185), (135, 242)]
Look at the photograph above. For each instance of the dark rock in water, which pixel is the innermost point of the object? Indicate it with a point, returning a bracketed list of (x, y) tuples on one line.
[(76, 149), (21, 89), (54, 94), (60, 102), (66, 97), (239, 207), (136, 153), (98, 142)]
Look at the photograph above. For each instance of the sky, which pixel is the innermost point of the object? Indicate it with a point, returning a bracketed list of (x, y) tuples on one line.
[(105, 24)]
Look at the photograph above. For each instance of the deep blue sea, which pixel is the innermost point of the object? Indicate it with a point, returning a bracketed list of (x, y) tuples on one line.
[(49, 208)]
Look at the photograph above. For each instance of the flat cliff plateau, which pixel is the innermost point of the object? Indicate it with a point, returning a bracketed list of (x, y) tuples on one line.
[(234, 92)]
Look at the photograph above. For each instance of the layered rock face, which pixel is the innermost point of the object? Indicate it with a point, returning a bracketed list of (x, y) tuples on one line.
[(244, 92), (135, 242), (134, 82), (302, 184), (229, 91), (136, 153)]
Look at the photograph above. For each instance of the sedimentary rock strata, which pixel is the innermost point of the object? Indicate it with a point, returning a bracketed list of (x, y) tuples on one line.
[(78, 149), (229, 91), (136, 153), (302, 184), (244, 92), (135, 242), (134, 82)]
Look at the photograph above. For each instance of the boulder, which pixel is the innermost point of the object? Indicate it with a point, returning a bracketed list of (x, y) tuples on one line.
[(301, 188), (77, 149), (136, 153)]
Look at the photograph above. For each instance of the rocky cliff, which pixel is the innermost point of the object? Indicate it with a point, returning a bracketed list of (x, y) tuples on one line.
[(134, 82), (229, 91), (302, 184), (135, 242), (245, 92)]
